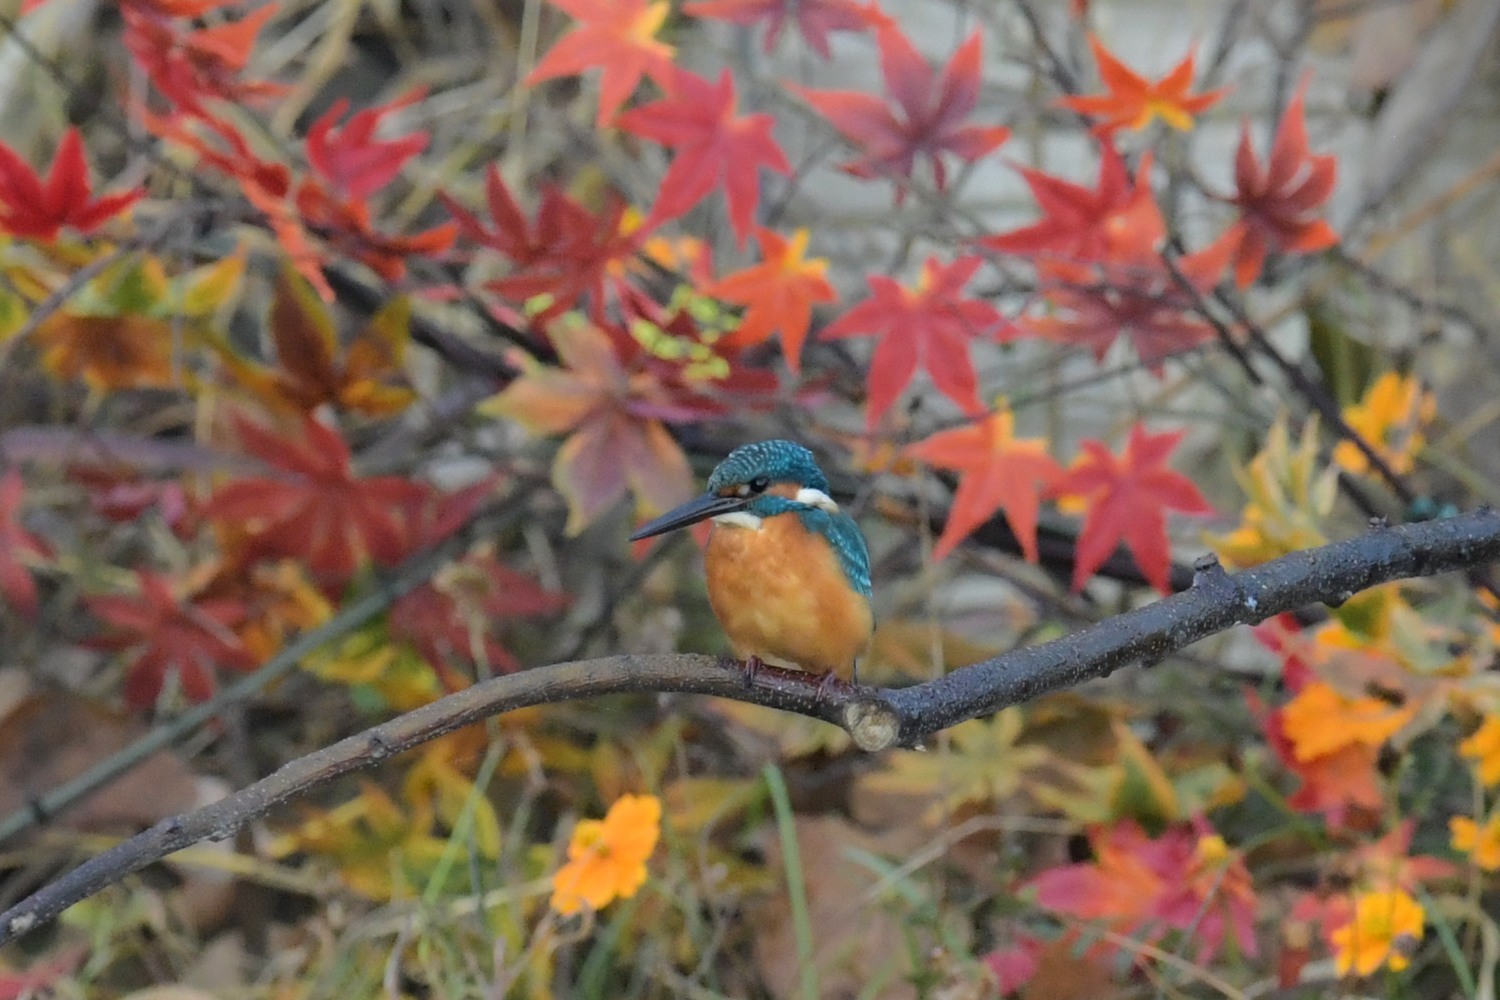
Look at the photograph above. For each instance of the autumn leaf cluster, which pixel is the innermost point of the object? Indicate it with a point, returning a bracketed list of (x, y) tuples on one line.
[(343, 389)]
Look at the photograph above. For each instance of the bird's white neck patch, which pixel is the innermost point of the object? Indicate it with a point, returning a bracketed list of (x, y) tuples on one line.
[(739, 519), (816, 498)]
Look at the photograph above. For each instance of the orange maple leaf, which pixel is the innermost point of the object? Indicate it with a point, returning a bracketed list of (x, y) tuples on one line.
[(778, 293), (1133, 101), (310, 372), (108, 352), (615, 442), (617, 37), (998, 473), (1337, 783)]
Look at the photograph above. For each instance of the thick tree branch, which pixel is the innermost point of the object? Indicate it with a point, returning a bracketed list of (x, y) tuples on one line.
[(876, 718)]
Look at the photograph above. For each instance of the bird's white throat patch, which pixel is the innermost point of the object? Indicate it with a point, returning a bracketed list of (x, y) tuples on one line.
[(816, 498), (806, 495)]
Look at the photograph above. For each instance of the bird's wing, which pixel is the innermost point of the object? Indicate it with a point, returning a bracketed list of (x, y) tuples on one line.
[(847, 541)]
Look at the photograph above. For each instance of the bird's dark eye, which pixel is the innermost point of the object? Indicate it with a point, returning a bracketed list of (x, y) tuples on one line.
[(760, 484)]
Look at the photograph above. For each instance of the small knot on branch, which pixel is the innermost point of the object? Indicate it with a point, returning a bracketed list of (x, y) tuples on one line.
[(377, 747), (1207, 568), (1379, 522)]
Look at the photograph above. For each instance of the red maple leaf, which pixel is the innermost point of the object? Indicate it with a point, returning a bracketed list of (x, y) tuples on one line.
[(123, 495), (1141, 886), (439, 618), (316, 510), (41, 978), (349, 157), (432, 517), (1128, 497), (997, 472), (220, 146), (778, 294), (16, 545), (191, 67), (816, 19), (1094, 305), (1281, 203), (1081, 224), (176, 8), (31, 207), (929, 326), (567, 254), (617, 37), (346, 226), (1133, 101), (154, 8), (716, 147), (192, 637), (928, 116)]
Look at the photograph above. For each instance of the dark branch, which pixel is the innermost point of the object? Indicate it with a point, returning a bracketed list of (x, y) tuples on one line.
[(875, 718)]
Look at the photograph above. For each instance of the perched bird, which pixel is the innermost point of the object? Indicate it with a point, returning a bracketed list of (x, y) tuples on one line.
[(788, 572)]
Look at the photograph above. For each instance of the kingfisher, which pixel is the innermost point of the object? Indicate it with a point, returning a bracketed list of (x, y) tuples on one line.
[(788, 572)]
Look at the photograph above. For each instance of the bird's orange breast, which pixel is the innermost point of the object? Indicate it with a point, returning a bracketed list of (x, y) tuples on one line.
[(780, 594)]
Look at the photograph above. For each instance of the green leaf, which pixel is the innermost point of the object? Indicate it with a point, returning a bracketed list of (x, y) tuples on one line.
[(1347, 364)]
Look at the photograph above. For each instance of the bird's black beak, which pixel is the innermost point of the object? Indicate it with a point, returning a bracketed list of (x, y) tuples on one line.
[(695, 510)]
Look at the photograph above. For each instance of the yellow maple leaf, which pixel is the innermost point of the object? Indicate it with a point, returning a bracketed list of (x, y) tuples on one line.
[(1288, 496), (1391, 417)]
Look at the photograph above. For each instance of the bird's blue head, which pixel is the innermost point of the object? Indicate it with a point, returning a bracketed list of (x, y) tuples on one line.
[(741, 482), (771, 462)]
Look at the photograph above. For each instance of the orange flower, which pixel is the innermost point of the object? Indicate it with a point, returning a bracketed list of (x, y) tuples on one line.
[(1482, 843), (1390, 417), (1385, 929), (607, 858), (1483, 747)]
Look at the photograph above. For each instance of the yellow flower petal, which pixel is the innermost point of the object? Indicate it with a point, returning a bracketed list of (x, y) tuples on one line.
[(1385, 927)]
